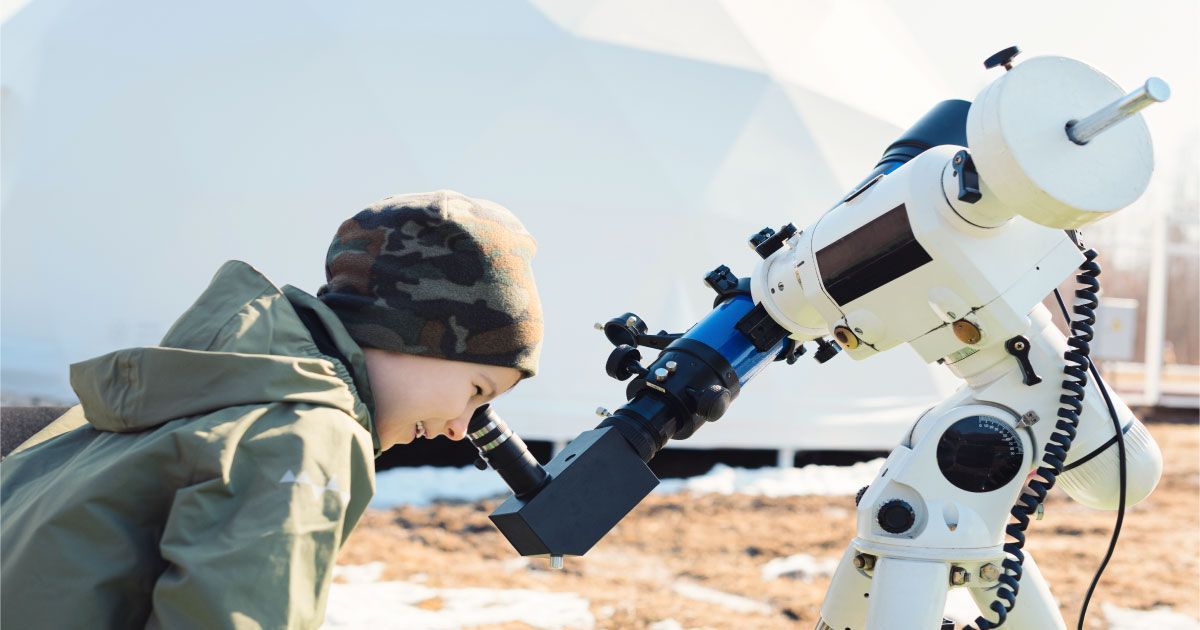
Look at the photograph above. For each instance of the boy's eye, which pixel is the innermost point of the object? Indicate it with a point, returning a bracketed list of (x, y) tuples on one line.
[(478, 391)]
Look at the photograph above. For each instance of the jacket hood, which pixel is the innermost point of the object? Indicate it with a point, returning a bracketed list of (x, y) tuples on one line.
[(240, 343)]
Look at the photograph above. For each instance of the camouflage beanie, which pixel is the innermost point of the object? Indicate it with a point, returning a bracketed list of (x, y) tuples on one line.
[(440, 275)]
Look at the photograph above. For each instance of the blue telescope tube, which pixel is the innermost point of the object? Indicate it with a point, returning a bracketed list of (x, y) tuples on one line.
[(650, 419), (718, 330)]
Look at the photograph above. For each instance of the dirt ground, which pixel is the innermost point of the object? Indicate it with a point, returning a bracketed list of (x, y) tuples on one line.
[(722, 542)]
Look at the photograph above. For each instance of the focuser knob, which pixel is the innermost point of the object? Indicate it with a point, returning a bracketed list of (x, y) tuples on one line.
[(712, 402), (623, 362)]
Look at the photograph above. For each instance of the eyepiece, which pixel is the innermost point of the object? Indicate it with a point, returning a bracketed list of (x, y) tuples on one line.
[(506, 452)]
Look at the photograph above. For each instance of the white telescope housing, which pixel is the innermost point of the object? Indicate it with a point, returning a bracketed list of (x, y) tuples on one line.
[(957, 269)]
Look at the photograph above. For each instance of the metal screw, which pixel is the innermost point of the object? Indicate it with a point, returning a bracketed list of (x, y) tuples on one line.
[(864, 562), (671, 366), (967, 332), (1028, 419), (958, 159), (989, 572), (556, 562), (631, 321), (959, 576), (602, 412), (660, 374), (780, 286), (598, 326), (1020, 345)]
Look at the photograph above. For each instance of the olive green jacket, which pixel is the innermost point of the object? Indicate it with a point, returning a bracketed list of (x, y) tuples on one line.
[(204, 483)]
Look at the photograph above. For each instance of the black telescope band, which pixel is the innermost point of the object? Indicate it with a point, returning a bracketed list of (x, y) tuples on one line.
[(659, 412), (506, 452)]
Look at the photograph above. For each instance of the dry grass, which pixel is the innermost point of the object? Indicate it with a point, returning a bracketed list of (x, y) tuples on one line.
[(722, 542)]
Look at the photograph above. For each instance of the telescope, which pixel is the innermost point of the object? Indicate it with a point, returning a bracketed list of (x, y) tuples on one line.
[(949, 245)]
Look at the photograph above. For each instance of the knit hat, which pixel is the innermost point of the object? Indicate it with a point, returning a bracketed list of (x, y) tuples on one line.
[(437, 274)]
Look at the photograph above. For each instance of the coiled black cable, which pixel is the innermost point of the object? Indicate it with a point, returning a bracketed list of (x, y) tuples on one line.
[(1122, 475), (1059, 444)]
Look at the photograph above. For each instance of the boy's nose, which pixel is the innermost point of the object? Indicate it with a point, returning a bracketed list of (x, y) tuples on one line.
[(457, 429)]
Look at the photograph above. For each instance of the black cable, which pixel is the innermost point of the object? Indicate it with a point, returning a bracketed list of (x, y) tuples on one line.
[(1120, 438), (1054, 455)]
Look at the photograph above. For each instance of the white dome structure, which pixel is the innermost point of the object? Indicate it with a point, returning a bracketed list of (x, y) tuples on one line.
[(145, 143)]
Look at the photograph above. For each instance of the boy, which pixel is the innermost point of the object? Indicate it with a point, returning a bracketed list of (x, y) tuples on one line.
[(209, 481)]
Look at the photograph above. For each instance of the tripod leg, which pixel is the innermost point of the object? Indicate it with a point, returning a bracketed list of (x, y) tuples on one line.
[(845, 604), (1036, 608), (907, 594)]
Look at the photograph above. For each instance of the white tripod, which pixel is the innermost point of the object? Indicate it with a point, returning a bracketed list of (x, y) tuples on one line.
[(952, 253)]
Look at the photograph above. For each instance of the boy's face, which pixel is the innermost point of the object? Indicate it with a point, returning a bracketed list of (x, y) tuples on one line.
[(419, 396)]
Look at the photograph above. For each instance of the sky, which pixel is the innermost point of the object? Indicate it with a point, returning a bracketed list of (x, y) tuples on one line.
[(741, 149)]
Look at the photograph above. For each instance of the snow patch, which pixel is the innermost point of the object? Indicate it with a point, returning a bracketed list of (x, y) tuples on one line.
[(778, 482), (1159, 618), (397, 605), (516, 565), (800, 566), (733, 602), (425, 484), (358, 573)]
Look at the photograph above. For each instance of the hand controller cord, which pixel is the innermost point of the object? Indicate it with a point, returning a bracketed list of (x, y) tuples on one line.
[(1078, 364)]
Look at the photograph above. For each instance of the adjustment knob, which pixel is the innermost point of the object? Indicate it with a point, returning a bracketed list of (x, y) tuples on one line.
[(774, 241), (825, 350), (980, 454), (896, 516), (968, 177), (760, 237), (1002, 58), (721, 280), (623, 362), (859, 495), (712, 401), (624, 329)]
